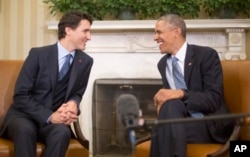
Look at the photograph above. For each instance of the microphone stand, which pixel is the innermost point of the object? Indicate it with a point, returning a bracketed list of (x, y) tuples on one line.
[(242, 117), (129, 123)]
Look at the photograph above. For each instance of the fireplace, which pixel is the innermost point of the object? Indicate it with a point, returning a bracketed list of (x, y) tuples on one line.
[(109, 135)]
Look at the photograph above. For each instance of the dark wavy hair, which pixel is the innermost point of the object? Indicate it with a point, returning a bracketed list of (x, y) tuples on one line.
[(72, 20)]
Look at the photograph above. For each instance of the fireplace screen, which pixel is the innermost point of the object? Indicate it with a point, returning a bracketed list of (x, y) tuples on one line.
[(109, 135)]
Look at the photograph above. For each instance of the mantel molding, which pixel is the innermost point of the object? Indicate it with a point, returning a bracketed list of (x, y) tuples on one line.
[(227, 36), (150, 24)]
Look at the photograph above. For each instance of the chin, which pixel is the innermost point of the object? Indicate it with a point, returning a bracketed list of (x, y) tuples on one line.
[(162, 51), (82, 48)]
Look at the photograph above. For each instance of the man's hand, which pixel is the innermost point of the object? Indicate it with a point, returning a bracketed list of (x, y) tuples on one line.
[(163, 95), (60, 115), (66, 113), (71, 112)]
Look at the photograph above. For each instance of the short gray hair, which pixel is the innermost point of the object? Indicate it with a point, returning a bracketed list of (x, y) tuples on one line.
[(175, 21)]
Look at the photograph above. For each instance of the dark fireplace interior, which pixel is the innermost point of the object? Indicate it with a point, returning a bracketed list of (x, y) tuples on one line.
[(109, 135)]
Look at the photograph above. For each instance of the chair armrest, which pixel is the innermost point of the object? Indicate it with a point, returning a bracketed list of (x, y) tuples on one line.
[(234, 136), (79, 135), (244, 121), (143, 139)]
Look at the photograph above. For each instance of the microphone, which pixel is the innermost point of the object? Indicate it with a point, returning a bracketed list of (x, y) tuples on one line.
[(128, 112)]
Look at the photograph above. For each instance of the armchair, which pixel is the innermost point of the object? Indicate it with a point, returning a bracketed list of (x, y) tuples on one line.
[(9, 70)]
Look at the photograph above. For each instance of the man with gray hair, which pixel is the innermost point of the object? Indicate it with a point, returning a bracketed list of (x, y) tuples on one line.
[(193, 87)]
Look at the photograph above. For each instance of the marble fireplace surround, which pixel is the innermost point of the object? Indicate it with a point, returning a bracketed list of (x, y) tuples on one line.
[(126, 49)]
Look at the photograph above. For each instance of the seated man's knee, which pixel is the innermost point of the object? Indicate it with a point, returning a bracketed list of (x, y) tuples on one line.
[(172, 109), (22, 128), (62, 131)]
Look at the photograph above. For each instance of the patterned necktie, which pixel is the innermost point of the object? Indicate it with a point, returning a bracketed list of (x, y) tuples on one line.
[(65, 66), (177, 75), (180, 84)]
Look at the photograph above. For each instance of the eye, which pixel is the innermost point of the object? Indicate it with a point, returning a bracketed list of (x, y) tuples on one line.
[(158, 32), (86, 30)]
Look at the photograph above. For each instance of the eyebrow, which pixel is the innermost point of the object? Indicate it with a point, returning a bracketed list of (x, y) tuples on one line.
[(85, 30), (158, 31)]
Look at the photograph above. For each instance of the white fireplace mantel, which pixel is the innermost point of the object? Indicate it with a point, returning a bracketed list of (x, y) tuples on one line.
[(227, 36)]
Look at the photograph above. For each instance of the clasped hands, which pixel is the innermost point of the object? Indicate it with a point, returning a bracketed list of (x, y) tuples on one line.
[(66, 113)]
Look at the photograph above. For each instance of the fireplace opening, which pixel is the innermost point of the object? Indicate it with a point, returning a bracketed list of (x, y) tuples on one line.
[(109, 135)]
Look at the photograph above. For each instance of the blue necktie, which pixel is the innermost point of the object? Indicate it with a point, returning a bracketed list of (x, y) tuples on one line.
[(65, 66), (180, 83), (177, 75)]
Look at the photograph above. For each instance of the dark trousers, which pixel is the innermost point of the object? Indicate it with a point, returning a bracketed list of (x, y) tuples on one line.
[(25, 133), (170, 140)]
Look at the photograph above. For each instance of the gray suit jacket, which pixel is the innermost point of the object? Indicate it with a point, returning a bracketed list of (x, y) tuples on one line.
[(204, 80), (36, 83)]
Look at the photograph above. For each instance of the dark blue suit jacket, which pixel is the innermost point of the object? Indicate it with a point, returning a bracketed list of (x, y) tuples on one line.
[(204, 80), (36, 83)]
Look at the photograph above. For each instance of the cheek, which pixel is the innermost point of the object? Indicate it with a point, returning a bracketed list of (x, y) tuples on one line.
[(75, 38), (164, 48), (79, 39), (166, 45)]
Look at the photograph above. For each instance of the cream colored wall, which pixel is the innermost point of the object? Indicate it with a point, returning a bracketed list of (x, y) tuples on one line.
[(248, 44), (23, 25)]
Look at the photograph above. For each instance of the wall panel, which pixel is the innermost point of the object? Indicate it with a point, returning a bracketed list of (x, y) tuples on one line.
[(22, 26)]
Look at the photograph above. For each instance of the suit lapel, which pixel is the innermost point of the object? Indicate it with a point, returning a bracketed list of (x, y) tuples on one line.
[(75, 69), (52, 61), (162, 69), (189, 62)]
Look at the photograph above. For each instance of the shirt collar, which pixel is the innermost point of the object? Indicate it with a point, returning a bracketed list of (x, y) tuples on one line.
[(182, 53)]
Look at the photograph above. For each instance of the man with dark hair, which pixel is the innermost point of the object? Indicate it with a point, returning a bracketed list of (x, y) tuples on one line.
[(193, 81), (49, 90)]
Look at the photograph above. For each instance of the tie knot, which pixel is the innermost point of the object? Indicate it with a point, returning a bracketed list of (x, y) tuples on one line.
[(68, 57), (174, 60)]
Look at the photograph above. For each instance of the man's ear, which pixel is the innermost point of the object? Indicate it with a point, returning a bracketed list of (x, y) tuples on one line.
[(177, 32), (68, 30)]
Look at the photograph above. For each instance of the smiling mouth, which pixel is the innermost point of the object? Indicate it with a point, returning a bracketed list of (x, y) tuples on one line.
[(160, 43)]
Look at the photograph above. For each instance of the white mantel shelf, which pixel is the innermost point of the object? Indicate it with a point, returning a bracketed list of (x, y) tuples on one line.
[(150, 24)]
